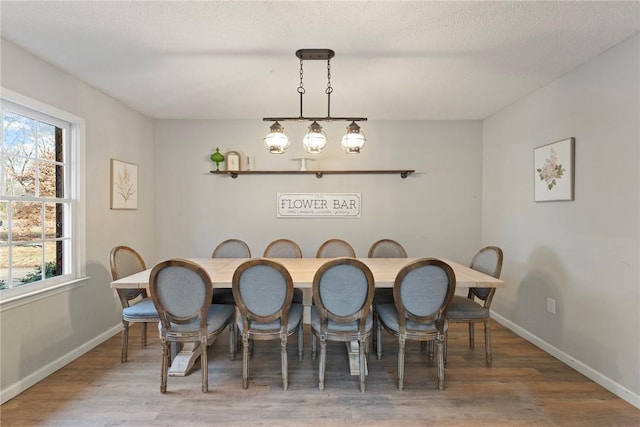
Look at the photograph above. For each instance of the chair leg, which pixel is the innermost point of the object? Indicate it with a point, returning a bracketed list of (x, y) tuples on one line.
[(300, 340), (284, 362), (204, 365), (164, 367), (430, 348), (125, 341), (379, 339), (362, 345), (472, 341), (401, 345), (487, 343), (232, 342), (446, 344), (323, 359), (314, 350), (440, 356), (245, 361), (144, 334)]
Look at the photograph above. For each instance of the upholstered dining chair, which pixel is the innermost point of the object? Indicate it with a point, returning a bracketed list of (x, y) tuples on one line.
[(487, 260), (282, 248), (334, 248), (181, 291), (285, 248), (384, 248), (422, 291), (263, 291), (137, 307), (343, 292), (230, 248)]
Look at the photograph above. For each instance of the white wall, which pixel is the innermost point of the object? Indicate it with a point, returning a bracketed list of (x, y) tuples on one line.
[(40, 336), (435, 212), (583, 253)]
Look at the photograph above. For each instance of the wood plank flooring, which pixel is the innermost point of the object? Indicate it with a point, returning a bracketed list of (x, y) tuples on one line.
[(524, 387)]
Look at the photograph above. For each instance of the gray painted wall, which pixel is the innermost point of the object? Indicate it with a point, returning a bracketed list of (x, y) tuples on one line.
[(583, 253), (435, 212), (40, 335)]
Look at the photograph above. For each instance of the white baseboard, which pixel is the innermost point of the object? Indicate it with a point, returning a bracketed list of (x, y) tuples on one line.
[(615, 388), (20, 386)]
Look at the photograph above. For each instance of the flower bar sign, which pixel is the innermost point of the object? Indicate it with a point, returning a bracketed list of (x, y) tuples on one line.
[(318, 205)]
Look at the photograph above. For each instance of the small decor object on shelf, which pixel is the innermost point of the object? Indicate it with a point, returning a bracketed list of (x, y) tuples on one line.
[(233, 161), (303, 162), (218, 158)]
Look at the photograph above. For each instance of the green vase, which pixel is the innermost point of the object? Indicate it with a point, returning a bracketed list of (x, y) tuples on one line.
[(218, 158)]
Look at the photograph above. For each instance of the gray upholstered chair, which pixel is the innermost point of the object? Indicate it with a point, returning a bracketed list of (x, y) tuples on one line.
[(422, 291), (181, 291), (385, 248), (285, 248), (334, 248), (343, 292), (488, 260), (282, 248), (230, 248), (263, 291), (137, 307)]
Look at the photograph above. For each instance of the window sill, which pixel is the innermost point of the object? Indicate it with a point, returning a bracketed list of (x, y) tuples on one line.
[(30, 297)]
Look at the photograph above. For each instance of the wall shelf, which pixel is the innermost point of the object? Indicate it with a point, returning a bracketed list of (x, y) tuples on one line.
[(318, 173)]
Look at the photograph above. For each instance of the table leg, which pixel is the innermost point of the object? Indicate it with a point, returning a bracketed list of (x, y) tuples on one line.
[(353, 351), (184, 359)]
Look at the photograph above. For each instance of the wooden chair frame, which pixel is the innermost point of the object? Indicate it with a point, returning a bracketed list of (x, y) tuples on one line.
[(486, 296), (325, 334), (127, 295), (438, 317), (201, 335), (332, 242), (246, 316), (281, 242)]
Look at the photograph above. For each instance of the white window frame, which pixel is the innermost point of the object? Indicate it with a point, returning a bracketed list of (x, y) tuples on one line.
[(76, 179)]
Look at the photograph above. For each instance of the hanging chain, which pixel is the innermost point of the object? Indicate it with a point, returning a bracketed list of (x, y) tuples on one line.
[(329, 88), (301, 87)]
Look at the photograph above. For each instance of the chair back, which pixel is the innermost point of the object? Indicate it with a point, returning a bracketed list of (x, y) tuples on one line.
[(335, 248), (125, 261), (232, 248), (181, 291), (262, 290), (488, 260), (422, 292), (282, 248), (343, 291), (387, 248)]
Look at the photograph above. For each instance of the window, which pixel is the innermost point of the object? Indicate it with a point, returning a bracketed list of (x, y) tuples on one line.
[(38, 204)]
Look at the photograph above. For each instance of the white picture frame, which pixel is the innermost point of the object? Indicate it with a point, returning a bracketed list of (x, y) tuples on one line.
[(553, 171), (232, 159)]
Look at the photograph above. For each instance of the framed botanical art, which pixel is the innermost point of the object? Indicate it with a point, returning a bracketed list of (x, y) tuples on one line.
[(124, 185), (553, 171)]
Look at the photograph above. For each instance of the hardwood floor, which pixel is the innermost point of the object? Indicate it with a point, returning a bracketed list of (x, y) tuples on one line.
[(525, 387)]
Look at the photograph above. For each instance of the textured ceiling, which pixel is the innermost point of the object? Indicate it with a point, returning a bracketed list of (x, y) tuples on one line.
[(394, 60)]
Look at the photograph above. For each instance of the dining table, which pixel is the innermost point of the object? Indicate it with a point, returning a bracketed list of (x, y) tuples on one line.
[(302, 271)]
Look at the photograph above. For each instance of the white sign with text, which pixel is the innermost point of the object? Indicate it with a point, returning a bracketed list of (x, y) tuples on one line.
[(318, 205)]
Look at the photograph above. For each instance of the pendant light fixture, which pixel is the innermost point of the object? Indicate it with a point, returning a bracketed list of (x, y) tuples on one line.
[(315, 140)]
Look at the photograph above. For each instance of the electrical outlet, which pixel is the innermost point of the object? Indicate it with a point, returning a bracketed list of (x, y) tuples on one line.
[(551, 305)]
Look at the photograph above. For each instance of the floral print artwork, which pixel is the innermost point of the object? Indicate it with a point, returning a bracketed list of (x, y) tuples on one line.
[(551, 170)]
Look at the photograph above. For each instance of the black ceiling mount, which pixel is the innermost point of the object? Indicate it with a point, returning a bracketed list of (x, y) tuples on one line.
[(315, 54)]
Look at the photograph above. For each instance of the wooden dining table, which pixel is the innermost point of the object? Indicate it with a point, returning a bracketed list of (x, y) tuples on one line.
[(302, 271)]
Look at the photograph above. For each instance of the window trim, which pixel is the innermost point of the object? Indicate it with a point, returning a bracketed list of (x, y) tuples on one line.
[(78, 204)]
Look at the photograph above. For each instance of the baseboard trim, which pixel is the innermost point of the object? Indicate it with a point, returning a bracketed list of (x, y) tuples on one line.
[(20, 386), (606, 382)]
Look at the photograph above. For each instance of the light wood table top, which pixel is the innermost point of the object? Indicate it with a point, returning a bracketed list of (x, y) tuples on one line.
[(302, 271)]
